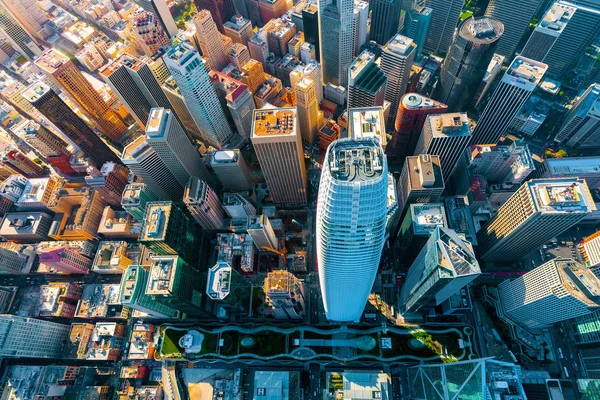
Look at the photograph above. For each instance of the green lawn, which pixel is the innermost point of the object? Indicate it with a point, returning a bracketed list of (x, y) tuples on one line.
[(465, 14), (171, 341)]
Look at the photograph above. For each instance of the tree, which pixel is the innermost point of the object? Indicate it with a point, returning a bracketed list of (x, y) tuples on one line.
[(561, 153)]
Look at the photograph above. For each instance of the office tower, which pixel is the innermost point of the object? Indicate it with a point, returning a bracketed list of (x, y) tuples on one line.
[(41, 139), (253, 12), (515, 24), (226, 287), (366, 82), (220, 10), (308, 109), (261, 232), (360, 16), (26, 227), (239, 55), (421, 181), (17, 35), (149, 32), (396, 62), (176, 284), (231, 170), (60, 69), (553, 292), (162, 13), (29, 15), (64, 260), (444, 19), (239, 29), (21, 164), (335, 39), (22, 337), (467, 61), (587, 168), (253, 75), (194, 83), (416, 26), (144, 162), (238, 98), (590, 251), (519, 80), (493, 69), (538, 211), (132, 294), (479, 378), (109, 182), (284, 295), (447, 136), (272, 9), (413, 111), (443, 267), (11, 261), (53, 108), (258, 46), (311, 70), (581, 127), (167, 230), (181, 110), (278, 145), (112, 257), (135, 198), (548, 30), (385, 17), (503, 164), (210, 41), (279, 33), (166, 136), (310, 20), (350, 228), (237, 207), (420, 221), (203, 204)]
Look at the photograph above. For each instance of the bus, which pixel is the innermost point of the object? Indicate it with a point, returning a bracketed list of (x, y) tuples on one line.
[(566, 372)]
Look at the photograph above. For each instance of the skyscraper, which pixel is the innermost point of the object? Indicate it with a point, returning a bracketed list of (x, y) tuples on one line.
[(221, 10), (238, 98), (335, 33), (396, 61), (149, 32), (447, 136), (239, 29), (421, 181), (416, 26), (313, 71), (515, 23), (29, 15), (284, 295), (443, 267), (538, 211), (160, 9), (211, 43), (350, 228), (467, 61), (360, 17), (22, 337), (135, 198), (17, 35), (548, 30), (181, 109), (166, 136), (385, 17), (310, 20), (308, 109), (444, 19), (53, 108), (413, 111), (60, 69), (132, 294), (203, 204), (193, 81), (519, 80), (581, 127), (231, 170), (558, 290), (12, 262), (261, 232), (366, 82), (278, 145)]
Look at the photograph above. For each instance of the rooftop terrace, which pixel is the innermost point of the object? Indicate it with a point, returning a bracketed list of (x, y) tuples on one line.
[(356, 160), (272, 122)]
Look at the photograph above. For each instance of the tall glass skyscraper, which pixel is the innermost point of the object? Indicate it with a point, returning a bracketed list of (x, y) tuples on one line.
[(351, 217), (335, 32)]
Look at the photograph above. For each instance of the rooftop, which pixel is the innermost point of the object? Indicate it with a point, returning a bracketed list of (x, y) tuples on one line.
[(236, 250), (424, 172), (561, 195), (366, 123), (157, 218), (453, 254), (400, 45), (415, 101), (449, 124), (225, 157), (578, 280), (110, 255), (360, 63), (366, 385), (427, 216), (157, 122), (481, 30), (21, 223), (51, 60), (123, 60), (274, 122), (557, 17), (527, 69), (356, 160), (162, 275), (132, 193), (219, 281), (35, 91), (574, 165), (100, 301)]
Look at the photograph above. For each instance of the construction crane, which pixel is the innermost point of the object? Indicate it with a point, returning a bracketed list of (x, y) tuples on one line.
[(282, 253)]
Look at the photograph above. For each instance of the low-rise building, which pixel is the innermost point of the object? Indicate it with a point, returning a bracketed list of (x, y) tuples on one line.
[(111, 258), (101, 301)]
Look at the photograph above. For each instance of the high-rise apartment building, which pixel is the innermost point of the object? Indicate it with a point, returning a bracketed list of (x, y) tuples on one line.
[(40, 138), (238, 98), (350, 228), (17, 35), (161, 11), (231, 170), (360, 16), (335, 39), (278, 145), (203, 204), (444, 19), (53, 108), (413, 111), (194, 83), (210, 41), (63, 71), (558, 290), (149, 32), (515, 87), (467, 61), (396, 61), (132, 294), (239, 29), (385, 17), (444, 266), (421, 181), (447, 136), (308, 109), (581, 127), (515, 24), (284, 295), (220, 10), (548, 30), (366, 82), (416, 26), (22, 337), (538, 211)]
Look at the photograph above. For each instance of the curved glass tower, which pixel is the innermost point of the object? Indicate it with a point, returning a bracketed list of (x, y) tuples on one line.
[(351, 217)]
